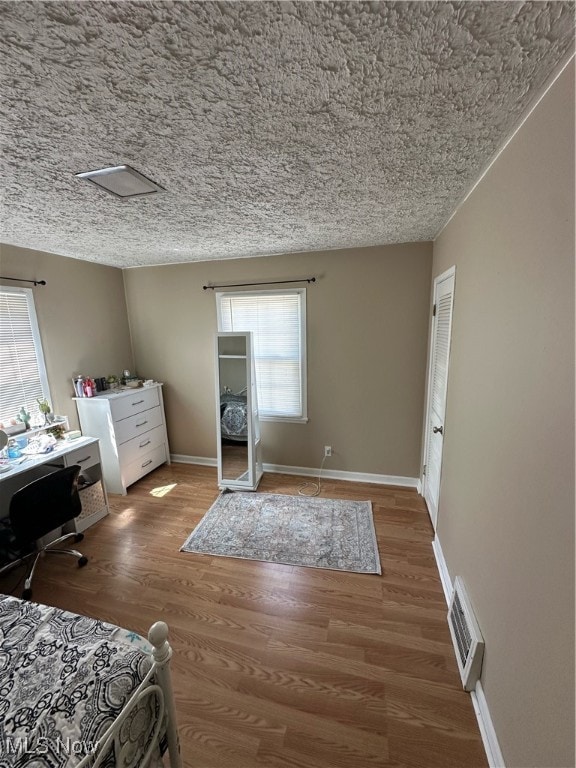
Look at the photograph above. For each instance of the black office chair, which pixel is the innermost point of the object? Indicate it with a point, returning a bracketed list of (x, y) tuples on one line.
[(37, 509)]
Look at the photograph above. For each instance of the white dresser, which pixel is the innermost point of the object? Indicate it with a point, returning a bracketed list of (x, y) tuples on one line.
[(131, 427)]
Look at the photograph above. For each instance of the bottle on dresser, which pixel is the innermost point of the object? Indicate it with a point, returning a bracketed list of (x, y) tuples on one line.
[(89, 387)]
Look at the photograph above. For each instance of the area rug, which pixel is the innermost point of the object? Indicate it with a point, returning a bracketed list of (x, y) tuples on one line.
[(294, 530)]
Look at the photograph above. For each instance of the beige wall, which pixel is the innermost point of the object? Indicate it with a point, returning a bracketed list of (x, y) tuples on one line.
[(506, 515), (367, 334), (82, 318)]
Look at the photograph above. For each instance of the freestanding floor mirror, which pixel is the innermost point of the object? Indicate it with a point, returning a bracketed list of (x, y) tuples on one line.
[(237, 425)]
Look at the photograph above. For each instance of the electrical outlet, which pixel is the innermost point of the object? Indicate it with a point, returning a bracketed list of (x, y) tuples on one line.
[(327, 450)]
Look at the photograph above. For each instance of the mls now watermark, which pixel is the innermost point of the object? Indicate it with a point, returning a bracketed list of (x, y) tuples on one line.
[(18, 745)]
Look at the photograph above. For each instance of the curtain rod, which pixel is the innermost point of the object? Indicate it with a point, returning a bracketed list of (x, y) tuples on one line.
[(23, 280), (266, 282)]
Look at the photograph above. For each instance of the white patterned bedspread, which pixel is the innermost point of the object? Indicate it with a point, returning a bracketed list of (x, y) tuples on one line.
[(63, 680)]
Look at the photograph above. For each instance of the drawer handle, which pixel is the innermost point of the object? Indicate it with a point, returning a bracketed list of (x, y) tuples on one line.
[(81, 461), (142, 424), (138, 402), (142, 445), (146, 463)]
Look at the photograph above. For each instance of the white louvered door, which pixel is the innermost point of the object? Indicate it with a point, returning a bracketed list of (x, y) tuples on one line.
[(437, 389)]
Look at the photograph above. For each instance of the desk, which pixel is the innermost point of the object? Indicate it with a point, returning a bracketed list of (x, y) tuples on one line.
[(83, 451)]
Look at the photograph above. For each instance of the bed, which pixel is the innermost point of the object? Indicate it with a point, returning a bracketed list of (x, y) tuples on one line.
[(234, 417), (78, 692)]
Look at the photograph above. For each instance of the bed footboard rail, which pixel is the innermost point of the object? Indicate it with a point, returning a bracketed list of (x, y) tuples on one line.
[(162, 653), (157, 683)]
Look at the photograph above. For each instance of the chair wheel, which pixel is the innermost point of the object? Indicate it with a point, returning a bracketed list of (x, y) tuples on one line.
[(27, 594), (78, 537), (82, 561)]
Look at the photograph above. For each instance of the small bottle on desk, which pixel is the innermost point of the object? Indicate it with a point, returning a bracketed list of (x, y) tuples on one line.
[(14, 451)]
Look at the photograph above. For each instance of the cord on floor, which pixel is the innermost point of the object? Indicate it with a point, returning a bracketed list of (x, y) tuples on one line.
[(315, 486)]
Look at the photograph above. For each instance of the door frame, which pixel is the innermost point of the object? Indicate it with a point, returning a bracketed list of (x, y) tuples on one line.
[(450, 272)]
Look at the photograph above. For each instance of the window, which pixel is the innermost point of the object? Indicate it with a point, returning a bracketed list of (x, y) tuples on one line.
[(22, 371), (277, 320)]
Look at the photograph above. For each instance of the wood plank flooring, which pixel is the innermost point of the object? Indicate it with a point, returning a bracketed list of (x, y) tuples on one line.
[(276, 665)]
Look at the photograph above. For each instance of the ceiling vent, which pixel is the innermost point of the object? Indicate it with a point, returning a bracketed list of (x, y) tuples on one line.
[(466, 636), (122, 181)]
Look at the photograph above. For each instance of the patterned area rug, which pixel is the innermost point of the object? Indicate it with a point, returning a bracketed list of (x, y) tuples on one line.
[(294, 530)]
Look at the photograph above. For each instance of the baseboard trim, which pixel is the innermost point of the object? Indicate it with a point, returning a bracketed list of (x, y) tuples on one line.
[(337, 474), (442, 569), (329, 474), (487, 730), (203, 461)]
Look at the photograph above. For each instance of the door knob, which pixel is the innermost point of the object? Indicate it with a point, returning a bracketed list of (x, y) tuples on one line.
[(438, 429)]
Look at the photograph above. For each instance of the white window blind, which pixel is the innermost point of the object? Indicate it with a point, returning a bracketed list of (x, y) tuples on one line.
[(277, 322), (22, 371)]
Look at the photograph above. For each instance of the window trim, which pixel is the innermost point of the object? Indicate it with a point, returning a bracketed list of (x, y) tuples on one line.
[(36, 338), (303, 419)]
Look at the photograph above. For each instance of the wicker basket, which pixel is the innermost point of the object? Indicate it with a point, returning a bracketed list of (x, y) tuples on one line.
[(92, 499)]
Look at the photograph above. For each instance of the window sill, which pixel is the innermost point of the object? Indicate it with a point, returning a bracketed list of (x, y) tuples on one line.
[(288, 419), (62, 421)]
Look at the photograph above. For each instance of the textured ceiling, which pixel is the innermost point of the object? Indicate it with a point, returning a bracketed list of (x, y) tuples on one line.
[(274, 126)]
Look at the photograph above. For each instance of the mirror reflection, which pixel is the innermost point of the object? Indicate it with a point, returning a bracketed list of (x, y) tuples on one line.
[(238, 430), (233, 414), (234, 434)]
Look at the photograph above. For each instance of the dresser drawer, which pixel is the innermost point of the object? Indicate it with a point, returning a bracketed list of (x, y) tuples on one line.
[(138, 446), (137, 469), (136, 425), (84, 457), (128, 405)]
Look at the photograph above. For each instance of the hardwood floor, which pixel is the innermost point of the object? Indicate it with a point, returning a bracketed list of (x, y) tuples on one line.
[(279, 665)]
